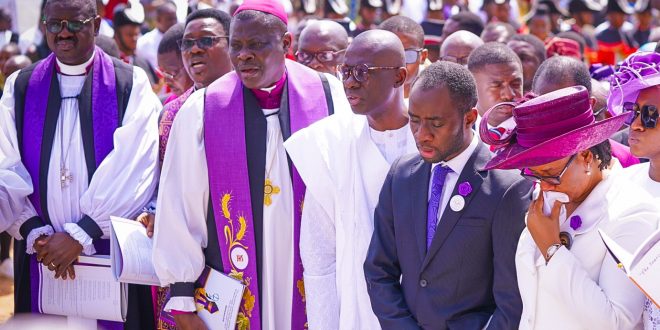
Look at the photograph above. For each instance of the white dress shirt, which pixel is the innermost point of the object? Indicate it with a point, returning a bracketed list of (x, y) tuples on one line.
[(456, 165)]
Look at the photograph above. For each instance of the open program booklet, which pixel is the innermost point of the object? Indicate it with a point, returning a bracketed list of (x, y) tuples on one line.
[(130, 248), (643, 266), (217, 298), (93, 294)]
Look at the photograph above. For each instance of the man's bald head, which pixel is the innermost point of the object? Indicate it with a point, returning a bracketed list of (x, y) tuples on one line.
[(378, 90), (458, 46), (559, 72), (15, 63), (382, 48), (329, 32), (322, 45)]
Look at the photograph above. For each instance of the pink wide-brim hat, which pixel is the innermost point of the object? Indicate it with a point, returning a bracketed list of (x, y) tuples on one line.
[(551, 127)]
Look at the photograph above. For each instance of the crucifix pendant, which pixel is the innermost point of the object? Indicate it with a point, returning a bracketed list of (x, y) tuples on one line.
[(65, 177)]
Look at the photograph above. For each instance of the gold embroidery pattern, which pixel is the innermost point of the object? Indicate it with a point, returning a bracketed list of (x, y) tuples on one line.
[(245, 311), (269, 190)]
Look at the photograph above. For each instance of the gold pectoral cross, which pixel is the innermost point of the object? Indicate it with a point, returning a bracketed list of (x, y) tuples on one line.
[(269, 190), (65, 177)]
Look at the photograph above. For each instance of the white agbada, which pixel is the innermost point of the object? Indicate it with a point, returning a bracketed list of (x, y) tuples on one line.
[(344, 164), (582, 288), (639, 175), (123, 183), (182, 203)]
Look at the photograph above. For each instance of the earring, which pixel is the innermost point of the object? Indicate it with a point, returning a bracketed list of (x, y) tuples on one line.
[(588, 169)]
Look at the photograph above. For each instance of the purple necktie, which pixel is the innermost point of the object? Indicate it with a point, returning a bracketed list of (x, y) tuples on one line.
[(438, 180)]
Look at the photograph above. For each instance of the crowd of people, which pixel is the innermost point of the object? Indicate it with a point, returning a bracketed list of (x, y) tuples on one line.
[(356, 164)]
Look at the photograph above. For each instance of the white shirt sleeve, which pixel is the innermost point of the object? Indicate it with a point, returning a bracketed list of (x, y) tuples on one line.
[(180, 230), (318, 253), (126, 179), (612, 302), (15, 182)]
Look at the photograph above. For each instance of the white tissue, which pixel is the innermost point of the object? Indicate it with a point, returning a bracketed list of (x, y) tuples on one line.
[(549, 198)]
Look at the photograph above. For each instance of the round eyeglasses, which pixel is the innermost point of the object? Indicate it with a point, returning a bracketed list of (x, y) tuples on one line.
[(361, 71)]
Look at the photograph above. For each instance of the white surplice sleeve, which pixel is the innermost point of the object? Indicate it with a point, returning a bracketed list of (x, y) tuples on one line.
[(15, 182), (180, 230), (612, 302), (319, 256), (126, 179)]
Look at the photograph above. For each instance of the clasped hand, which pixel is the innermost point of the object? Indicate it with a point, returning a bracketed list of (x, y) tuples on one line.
[(58, 252)]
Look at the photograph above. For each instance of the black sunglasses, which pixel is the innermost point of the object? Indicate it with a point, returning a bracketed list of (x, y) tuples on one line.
[(647, 113), (361, 71), (551, 179), (412, 55), (56, 26), (202, 43), (323, 57)]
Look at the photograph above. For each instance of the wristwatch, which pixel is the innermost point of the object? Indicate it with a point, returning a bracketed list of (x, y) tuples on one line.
[(551, 251)]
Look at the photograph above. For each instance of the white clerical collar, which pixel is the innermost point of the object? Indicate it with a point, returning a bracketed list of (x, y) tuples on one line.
[(458, 163), (75, 70)]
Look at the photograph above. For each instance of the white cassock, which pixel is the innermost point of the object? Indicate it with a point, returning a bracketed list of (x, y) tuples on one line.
[(639, 175), (343, 163), (582, 288), (123, 183), (182, 209)]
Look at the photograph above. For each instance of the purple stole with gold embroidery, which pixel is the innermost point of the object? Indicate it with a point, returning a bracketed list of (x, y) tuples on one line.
[(226, 153), (105, 118)]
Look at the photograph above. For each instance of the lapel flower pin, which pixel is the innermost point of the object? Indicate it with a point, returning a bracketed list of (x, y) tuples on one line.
[(464, 188), (576, 222)]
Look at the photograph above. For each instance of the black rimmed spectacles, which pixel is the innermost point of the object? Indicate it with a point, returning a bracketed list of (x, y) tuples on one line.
[(361, 71), (647, 113), (202, 43), (554, 180), (74, 26)]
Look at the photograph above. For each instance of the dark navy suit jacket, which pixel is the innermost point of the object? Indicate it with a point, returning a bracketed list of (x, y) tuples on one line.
[(468, 274)]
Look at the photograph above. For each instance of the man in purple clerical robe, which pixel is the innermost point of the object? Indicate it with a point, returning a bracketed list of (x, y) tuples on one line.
[(229, 197), (201, 26), (80, 130)]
